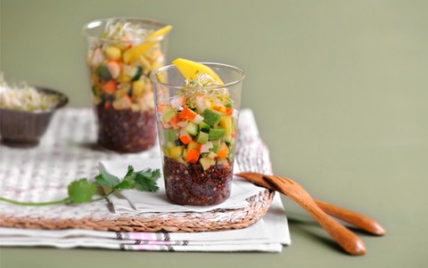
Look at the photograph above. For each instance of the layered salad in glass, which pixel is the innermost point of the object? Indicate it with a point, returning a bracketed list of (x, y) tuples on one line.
[(120, 59), (198, 130)]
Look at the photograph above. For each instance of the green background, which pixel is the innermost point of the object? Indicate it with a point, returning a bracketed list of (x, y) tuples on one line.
[(339, 90)]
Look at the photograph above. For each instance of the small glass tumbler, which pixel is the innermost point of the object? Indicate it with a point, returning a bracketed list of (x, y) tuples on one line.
[(121, 55), (197, 128)]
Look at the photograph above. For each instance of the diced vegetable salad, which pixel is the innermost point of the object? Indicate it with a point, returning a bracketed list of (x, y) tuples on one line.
[(199, 124), (120, 63)]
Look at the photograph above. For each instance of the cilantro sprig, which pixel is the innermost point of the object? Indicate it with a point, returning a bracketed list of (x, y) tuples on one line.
[(82, 190)]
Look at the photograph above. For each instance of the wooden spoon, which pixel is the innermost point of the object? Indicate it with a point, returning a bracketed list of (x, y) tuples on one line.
[(361, 221), (365, 223), (345, 238)]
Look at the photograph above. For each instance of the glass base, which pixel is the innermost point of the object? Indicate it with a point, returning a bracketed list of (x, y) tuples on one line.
[(192, 185)]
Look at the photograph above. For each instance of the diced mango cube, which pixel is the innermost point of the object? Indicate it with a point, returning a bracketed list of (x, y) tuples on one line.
[(112, 53), (137, 88), (194, 145), (226, 123), (176, 151)]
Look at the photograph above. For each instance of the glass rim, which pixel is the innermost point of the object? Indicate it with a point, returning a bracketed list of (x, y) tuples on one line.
[(154, 79), (96, 23)]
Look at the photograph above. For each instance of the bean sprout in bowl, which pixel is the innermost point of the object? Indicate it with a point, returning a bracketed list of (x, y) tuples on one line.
[(25, 114)]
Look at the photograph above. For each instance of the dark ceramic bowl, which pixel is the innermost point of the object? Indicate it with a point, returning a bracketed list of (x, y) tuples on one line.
[(24, 129)]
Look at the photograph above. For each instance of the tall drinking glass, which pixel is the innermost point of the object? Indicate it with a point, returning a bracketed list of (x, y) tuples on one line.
[(197, 127), (122, 52)]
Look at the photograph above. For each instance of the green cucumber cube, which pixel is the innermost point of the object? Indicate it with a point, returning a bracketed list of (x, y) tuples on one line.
[(192, 129), (171, 135), (216, 133), (211, 117), (168, 115), (202, 137), (204, 127), (228, 139), (216, 146), (104, 73)]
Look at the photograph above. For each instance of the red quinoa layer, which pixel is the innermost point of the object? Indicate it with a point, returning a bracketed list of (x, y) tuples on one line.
[(126, 131), (191, 185)]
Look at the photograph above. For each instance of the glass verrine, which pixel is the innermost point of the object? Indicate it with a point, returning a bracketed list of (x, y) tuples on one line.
[(197, 127), (121, 55)]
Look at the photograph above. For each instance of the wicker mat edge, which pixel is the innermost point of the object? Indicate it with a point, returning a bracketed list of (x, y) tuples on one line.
[(216, 220)]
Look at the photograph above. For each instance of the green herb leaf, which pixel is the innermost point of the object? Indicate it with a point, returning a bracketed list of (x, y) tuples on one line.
[(129, 179), (106, 179), (125, 185), (146, 180), (81, 191)]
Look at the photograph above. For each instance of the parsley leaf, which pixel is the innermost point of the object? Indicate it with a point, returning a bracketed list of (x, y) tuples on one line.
[(81, 191), (129, 179), (146, 180), (106, 179)]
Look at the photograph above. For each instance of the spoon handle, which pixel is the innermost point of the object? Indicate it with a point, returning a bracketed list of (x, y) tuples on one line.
[(365, 223), (344, 237), (359, 220)]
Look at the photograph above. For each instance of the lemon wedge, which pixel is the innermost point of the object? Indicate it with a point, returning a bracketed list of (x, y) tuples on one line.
[(190, 69), (134, 52), (161, 32)]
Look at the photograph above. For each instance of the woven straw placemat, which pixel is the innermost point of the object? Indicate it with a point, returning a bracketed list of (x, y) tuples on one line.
[(67, 152)]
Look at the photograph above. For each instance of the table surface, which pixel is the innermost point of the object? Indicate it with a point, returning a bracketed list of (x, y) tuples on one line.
[(339, 90)]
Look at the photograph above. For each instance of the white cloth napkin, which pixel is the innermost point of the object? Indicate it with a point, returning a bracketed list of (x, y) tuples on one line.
[(268, 234), (66, 152)]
